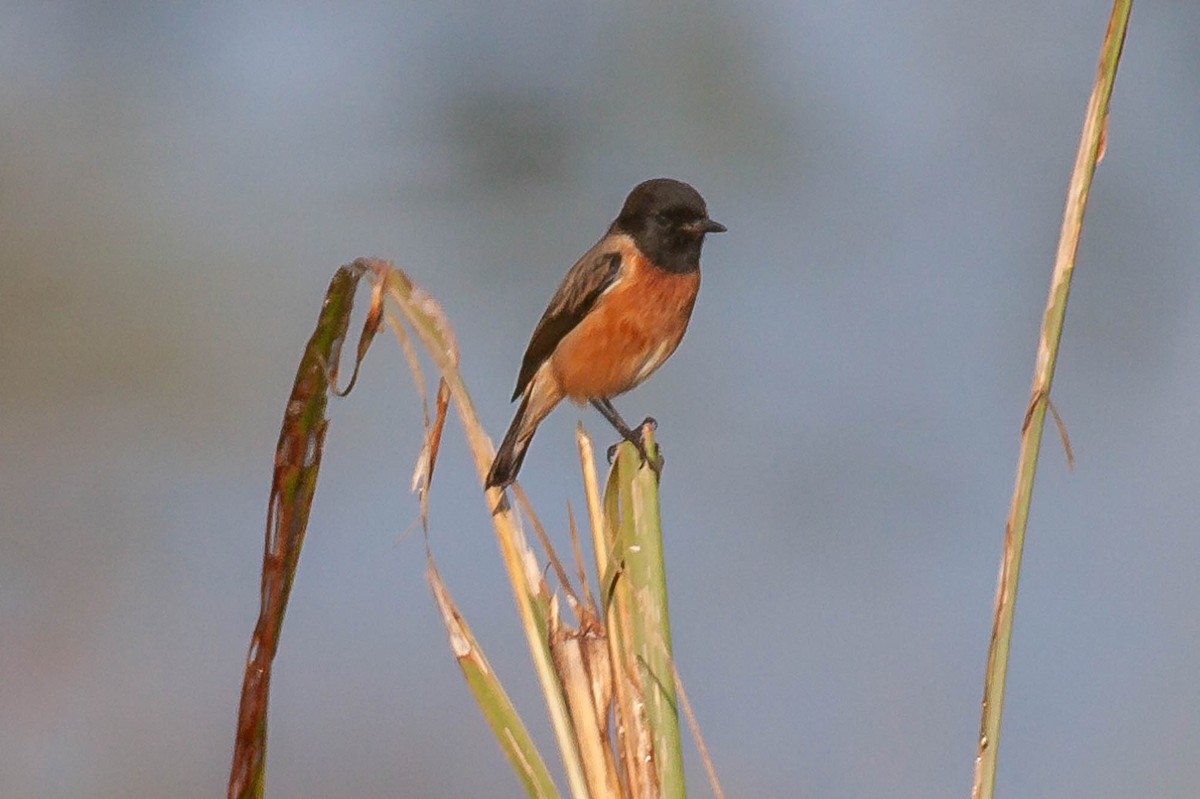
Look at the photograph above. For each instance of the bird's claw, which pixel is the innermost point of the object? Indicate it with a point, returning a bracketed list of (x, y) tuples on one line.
[(638, 442)]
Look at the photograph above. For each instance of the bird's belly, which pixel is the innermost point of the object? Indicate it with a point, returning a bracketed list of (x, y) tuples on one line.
[(631, 331)]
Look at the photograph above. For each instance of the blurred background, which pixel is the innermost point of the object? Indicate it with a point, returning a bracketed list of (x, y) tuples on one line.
[(179, 181)]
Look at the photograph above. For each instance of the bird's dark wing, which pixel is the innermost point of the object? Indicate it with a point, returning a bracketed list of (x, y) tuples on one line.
[(586, 281)]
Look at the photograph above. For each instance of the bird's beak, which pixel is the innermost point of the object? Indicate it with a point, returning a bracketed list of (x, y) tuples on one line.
[(706, 225)]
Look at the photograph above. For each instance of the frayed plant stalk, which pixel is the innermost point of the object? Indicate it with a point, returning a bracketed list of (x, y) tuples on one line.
[(608, 681), (642, 597), (535, 604)]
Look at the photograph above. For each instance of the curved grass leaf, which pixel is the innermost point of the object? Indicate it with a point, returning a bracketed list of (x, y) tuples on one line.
[(297, 463)]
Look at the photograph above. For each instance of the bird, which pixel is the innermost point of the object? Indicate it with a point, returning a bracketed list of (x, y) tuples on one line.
[(619, 313)]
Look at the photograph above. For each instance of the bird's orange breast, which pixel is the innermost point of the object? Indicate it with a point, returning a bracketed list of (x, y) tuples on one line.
[(633, 327)]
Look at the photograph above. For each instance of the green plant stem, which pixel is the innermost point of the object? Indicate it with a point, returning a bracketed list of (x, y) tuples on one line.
[(1090, 148), (641, 547), (498, 709)]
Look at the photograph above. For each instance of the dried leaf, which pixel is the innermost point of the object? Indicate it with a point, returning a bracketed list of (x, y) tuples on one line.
[(297, 463)]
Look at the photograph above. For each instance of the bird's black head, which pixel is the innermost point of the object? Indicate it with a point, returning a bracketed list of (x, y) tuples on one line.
[(667, 220)]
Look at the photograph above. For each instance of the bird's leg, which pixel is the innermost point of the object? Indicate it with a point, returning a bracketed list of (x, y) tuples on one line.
[(605, 406)]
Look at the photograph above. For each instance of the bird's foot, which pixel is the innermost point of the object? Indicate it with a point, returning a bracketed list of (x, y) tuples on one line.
[(638, 440)]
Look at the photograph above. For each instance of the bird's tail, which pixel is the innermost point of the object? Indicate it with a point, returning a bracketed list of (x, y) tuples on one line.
[(539, 399), (512, 450)]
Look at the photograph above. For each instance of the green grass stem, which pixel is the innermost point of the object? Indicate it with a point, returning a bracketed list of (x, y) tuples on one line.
[(1091, 149)]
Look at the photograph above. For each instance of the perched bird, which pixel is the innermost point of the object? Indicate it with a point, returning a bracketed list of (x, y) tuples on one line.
[(619, 313)]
